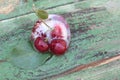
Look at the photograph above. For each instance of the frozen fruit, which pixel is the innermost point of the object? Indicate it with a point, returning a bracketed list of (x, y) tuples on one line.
[(51, 34)]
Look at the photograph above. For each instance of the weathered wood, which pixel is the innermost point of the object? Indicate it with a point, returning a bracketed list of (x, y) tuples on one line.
[(26, 8), (95, 35), (110, 71)]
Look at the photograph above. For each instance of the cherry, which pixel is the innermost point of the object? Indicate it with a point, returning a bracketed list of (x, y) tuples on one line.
[(57, 32), (58, 46), (41, 45), (50, 33)]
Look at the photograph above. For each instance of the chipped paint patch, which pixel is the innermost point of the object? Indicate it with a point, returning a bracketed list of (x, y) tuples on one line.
[(7, 6)]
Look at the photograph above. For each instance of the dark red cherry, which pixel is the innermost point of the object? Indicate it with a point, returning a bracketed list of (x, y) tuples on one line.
[(41, 45), (57, 32), (58, 46)]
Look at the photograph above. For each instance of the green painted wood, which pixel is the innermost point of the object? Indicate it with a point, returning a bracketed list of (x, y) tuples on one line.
[(109, 71), (25, 7), (95, 35)]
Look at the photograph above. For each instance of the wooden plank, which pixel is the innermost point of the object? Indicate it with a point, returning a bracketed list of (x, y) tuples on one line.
[(95, 36), (22, 8), (110, 71)]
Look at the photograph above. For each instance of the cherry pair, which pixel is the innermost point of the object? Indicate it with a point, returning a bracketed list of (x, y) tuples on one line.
[(57, 46)]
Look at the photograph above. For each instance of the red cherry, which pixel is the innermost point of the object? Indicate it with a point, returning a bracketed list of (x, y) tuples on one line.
[(41, 45), (57, 32), (58, 46)]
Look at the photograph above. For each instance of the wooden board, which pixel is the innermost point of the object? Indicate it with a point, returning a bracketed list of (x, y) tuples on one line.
[(95, 37)]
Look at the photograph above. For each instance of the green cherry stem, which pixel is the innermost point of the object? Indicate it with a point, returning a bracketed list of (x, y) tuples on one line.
[(35, 10), (46, 24)]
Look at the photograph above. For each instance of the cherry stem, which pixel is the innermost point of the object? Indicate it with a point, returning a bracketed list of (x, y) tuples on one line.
[(35, 10), (46, 24)]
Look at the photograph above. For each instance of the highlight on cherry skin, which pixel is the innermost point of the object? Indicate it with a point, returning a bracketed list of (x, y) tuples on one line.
[(55, 38)]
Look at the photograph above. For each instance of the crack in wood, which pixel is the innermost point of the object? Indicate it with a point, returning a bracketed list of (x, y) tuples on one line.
[(81, 11), (30, 12), (84, 11), (85, 66)]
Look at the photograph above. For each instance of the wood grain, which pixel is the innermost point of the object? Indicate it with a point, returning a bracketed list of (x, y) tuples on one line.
[(95, 38), (26, 8), (86, 66)]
